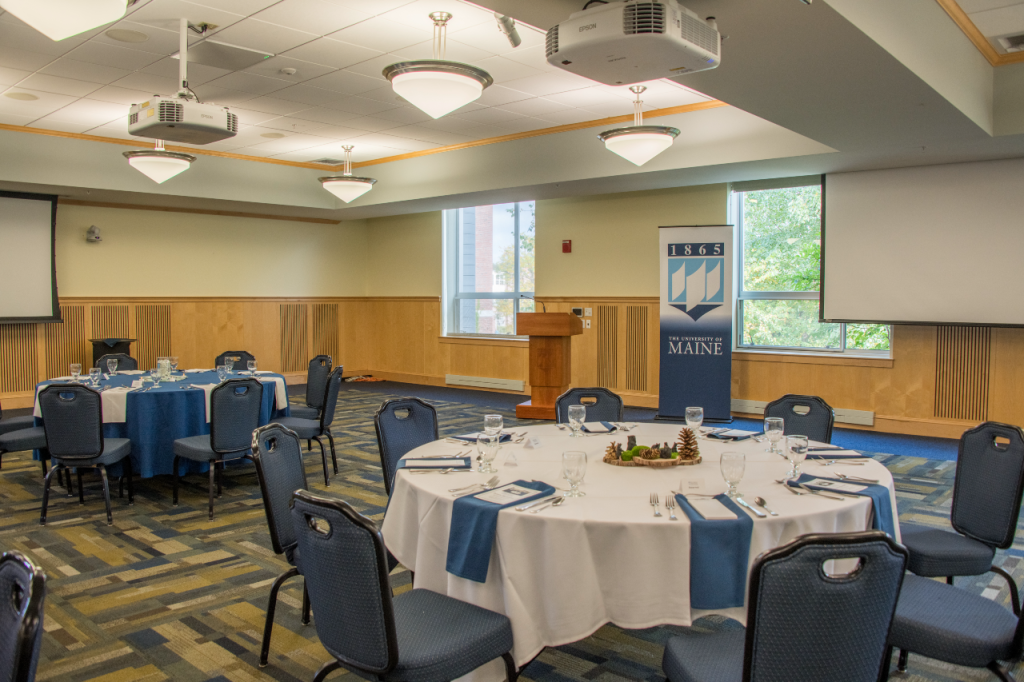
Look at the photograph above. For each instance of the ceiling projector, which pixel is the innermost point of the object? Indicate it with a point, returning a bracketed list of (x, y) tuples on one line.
[(176, 119), (627, 42)]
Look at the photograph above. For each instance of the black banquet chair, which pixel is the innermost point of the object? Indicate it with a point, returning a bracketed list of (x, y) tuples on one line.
[(804, 415), (602, 405), (277, 454), (20, 433), (73, 424), (124, 362), (234, 415), (418, 636), (15, 423), (316, 382), (315, 429), (804, 624), (22, 596), (237, 365), (402, 425)]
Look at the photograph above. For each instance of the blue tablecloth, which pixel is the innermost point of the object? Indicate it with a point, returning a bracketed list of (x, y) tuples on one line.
[(156, 418)]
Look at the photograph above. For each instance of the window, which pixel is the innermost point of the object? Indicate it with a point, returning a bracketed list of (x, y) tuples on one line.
[(779, 232), (489, 265)]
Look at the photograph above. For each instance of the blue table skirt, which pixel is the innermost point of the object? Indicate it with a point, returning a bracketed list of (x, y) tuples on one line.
[(156, 418)]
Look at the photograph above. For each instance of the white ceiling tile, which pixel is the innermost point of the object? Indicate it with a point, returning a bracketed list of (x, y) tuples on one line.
[(148, 82), (12, 76), (404, 144), (304, 70), (486, 36), (290, 143), (496, 95), (311, 16), (158, 40), (117, 57), (119, 95), (197, 73), (587, 97), (47, 123), (316, 97), (345, 82), (252, 151), (246, 7), (12, 119), (381, 34), (404, 115), (567, 117), (167, 14), (417, 14), (447, 124), (334, 53), (371, 124), (1002, 21), (273, 105), (13, 58), (375, 67), (549, 83), (337, 132), (438, 137), (259, 35), (522, 125), (20, 36), (454, 51), (248, 117), (225, 97), (46, 103), (325, 116), (292, 125), (503, 70), (486, 116), (534, 107), (385, 93), (249, 82), (56, 84), (119, 130), (609, 110), (371, 7), (332, 150), (91, 112), (972, 6), (530, 56), (83, 71)]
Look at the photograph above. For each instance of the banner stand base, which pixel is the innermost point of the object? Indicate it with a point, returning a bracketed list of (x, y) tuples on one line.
[(707, 420)]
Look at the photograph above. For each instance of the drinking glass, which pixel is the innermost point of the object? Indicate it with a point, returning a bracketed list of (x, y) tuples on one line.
[(155, 373), (493, 423), (796, 452), (75, 369), (733, 465), (773, 428), (577, 414), (112, 365), (574, 468), (694, 418), (234, 360), (487, 448), (164, 367), (251, 364), (94, 376), (174, 363), (222, 372)]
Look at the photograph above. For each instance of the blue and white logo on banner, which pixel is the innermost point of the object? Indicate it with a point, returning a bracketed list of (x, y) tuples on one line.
[(696, 286)]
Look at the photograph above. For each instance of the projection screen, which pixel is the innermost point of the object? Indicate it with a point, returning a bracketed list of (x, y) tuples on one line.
[(28, 274), (925, 245)]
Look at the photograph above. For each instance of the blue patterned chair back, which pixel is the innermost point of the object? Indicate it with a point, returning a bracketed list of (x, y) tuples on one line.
[(402, 424), (234, 414), (72, 420), (804, 415), (989, 482), (277, 453), (804, 623), (22, 593), (341, 547), (124, 362), (316, 380), (330, 397), (601, 404), (243, 358)]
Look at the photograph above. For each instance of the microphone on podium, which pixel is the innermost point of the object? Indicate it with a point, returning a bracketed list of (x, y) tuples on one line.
[(543, 307)]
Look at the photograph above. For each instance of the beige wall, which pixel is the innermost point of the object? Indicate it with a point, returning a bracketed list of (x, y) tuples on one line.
[(404, 255), (615, 238), (153, 253)]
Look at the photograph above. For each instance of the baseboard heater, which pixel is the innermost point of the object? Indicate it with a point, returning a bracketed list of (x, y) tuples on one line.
[(485, 382), (859, 417)]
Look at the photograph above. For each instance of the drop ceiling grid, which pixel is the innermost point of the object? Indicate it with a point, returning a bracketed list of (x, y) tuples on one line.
[(337, 94), (995, 18)]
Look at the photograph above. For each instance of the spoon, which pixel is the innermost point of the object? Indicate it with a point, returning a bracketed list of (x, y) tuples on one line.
[(557, 502), (759, 501)]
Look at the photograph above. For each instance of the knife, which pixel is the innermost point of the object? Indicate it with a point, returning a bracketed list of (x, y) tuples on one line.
[(524, 507), (818, 492), (757, 512)]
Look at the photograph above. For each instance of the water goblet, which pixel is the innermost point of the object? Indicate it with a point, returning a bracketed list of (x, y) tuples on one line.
[(773, 429), (493, 423), (577, 415), (733, 465), (155, 373), (796, 452), (222, 372), (232, 362), (76, 370), (251, 364), (574, 468), (174, 363), (112, 366), (94, 376), (694, 418), (487, 448)]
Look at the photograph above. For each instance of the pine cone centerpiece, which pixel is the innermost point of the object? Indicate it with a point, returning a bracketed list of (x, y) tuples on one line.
[(648, 453), (687, 445), (613, 452)]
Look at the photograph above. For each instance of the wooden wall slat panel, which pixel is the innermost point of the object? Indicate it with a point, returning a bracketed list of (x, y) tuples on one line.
[(325, 330), (66, 342), (18, 357), (607, 346), (637, 321), (294, 339), (153, 331), (962, 371), (109, 321)]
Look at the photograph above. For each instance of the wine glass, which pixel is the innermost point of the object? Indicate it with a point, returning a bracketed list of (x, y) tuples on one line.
[(174, 363), (112, 366), (487, 448), (796, 452), (234, 360), (94, 376), (773, 428), (155, 373), (222, 372), (577, 414), (574, 468), (694, 418), (76, 370), (251, 364), (733, 465)]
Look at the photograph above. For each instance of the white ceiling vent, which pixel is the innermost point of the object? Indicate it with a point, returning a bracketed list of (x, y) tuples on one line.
[(1012, 43)]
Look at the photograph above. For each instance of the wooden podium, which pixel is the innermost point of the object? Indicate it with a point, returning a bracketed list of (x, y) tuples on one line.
[(550, 359)]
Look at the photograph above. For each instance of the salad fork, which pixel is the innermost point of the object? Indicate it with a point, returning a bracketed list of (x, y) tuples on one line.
[(670, 504), (654, 503)]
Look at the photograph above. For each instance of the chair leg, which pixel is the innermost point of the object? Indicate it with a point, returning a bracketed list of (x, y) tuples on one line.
[(81, 489), (883, 674), (305, 603), (128, 473), (325, 670), (334, 457), (510, 667), (120, 486), (106, 494), (949, 580), (175, 465), (309, 445), (1001, 672), (901, 664), (220, 473), (46, 491), (42, 461), (213, 484), (1014, 594), (268, 627), (323, 456)]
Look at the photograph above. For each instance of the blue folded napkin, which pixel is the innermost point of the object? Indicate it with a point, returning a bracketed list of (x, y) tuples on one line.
[(830, 453), (719, 553), (467, 462), (882, 519), (608, 425), (732, 434), (474, 524), (505, 437)]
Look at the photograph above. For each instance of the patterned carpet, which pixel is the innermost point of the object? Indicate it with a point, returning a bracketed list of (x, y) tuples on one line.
[(165, 594)]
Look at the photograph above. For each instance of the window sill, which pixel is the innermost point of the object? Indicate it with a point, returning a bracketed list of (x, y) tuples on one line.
[(494, 341), (796, 357)]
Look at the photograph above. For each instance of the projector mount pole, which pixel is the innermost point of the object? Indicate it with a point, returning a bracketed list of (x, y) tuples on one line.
[(184, 91)]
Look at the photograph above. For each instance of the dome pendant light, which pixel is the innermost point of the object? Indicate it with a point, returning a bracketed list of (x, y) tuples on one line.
[(346, 186), (638, 143), (60, 19), (437, 86), (159, 165)]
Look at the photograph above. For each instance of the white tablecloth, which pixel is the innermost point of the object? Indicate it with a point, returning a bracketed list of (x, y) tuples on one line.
[(563, 573)]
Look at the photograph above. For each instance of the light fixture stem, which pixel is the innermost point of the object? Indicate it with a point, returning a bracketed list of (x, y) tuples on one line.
[(440, 20), (638, 114), (183, 58), (159, 146), (347, 169)]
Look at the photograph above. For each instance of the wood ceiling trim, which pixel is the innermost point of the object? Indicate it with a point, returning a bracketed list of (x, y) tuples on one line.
[(198, 211), (960, 17)]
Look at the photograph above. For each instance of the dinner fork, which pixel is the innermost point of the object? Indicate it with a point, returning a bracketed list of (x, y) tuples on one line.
[(790, 488), (670, 504), (654, 503), (490, 484)]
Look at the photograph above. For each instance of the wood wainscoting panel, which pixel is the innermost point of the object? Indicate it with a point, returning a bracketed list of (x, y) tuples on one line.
[(19, 358), (637, 348), (153, 331), (1006, 376), (109, 322), (325, 330), (607, 322), (962, 372), (66, 342), (294, 337)]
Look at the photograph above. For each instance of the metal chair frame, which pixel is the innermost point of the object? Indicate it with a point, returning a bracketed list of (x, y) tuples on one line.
[(244, 356), (813, 399), (385, 463), (582, 392), (23, 665)]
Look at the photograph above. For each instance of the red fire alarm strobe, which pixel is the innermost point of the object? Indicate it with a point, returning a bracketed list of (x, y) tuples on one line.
[(566, 246)]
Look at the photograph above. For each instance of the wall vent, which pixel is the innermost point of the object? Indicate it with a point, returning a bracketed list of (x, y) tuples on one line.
[(1012, 43), (153, 329), (962, 372), (18, 357), (66, 342), (607, 345), (294, 354), (485, 382), (328, 161), (325, 331), (636, 348), (109, 322)]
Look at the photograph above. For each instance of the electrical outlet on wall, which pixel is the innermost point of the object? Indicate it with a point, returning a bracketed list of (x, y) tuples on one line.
[(587, 312), (586, 324)]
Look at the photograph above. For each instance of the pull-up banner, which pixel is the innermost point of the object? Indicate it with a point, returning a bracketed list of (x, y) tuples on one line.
[(696, 321)]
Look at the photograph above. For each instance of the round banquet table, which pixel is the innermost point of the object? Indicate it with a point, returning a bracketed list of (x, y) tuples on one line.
[(562, 573), (154, 419)]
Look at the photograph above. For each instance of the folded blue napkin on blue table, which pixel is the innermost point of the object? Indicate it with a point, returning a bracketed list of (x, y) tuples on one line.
[(719, 554), (882, 519), (732, 434), (466, 462), (471, 438), (607, 425), (474, 524)]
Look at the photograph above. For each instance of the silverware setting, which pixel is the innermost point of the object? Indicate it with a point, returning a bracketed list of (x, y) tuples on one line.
[(831, 496), (790, 488), (670, 504), (856, 478), (654, 503), (759, 501), (449, 470), (757, 512), (556, 502), (531, 505), (474, 488)]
